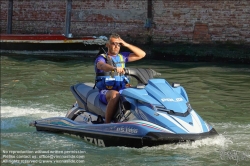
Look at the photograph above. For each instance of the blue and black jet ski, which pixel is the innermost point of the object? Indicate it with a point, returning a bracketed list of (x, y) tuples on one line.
[(151, 113)]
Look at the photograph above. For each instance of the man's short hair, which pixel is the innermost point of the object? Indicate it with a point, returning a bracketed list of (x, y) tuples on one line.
[(114, 35)]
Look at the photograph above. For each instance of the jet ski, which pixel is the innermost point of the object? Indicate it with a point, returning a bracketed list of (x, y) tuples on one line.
[(152, 112)]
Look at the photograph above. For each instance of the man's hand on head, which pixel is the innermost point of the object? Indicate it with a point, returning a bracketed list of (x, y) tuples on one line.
[(123, 43)]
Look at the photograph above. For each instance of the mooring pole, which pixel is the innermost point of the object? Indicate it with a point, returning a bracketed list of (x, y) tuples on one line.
[(148, 23), (68, 18), (9, 20), (149, 13)]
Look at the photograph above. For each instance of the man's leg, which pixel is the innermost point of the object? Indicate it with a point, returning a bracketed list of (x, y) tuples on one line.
[(112, 97)]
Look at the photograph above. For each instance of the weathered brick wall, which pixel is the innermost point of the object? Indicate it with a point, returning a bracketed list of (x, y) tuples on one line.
[(192, 21), (102, 17), (202, 20), (34, 16)]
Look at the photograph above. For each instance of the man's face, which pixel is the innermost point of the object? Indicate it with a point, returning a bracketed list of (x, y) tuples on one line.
[(113, 46)]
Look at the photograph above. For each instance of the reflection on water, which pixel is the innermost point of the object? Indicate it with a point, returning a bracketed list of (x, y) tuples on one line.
[(34, 88)]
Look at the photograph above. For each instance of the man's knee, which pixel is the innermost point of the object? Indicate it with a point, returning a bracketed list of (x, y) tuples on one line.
[(113, 95)]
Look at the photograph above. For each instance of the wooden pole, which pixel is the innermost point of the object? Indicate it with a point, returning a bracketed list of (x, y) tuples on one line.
[(9, 20), (149, 14), (68, 18), (148, 22)]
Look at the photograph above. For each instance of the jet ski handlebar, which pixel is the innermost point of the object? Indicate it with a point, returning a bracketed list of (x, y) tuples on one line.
[(142, 75)]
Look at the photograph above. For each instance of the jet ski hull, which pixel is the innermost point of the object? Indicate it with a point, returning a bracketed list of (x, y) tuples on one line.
[(135, 134)]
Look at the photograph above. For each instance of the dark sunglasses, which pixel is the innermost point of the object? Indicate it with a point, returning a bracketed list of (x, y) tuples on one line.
[(115, 44)]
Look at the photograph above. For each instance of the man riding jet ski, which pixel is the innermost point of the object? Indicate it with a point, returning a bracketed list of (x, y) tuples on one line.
[(109, 82), (152, 112)]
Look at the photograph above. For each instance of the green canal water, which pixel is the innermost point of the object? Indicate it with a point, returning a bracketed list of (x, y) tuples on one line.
[(35, 87)]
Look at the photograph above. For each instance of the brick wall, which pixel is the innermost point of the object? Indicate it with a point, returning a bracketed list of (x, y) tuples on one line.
[(192, 21), (102, 17), (202, 20), (34, 16)]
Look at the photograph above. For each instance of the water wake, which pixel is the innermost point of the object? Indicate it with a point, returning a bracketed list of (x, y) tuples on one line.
[(229, 136), (17, 118), (8, 112), (218, 141)]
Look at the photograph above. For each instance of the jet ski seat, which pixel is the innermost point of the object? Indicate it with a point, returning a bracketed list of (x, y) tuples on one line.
[(95, 105), (88, 98)]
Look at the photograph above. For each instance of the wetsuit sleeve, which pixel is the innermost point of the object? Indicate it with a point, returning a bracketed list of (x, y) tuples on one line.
[(125, 56), (99, 59)]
